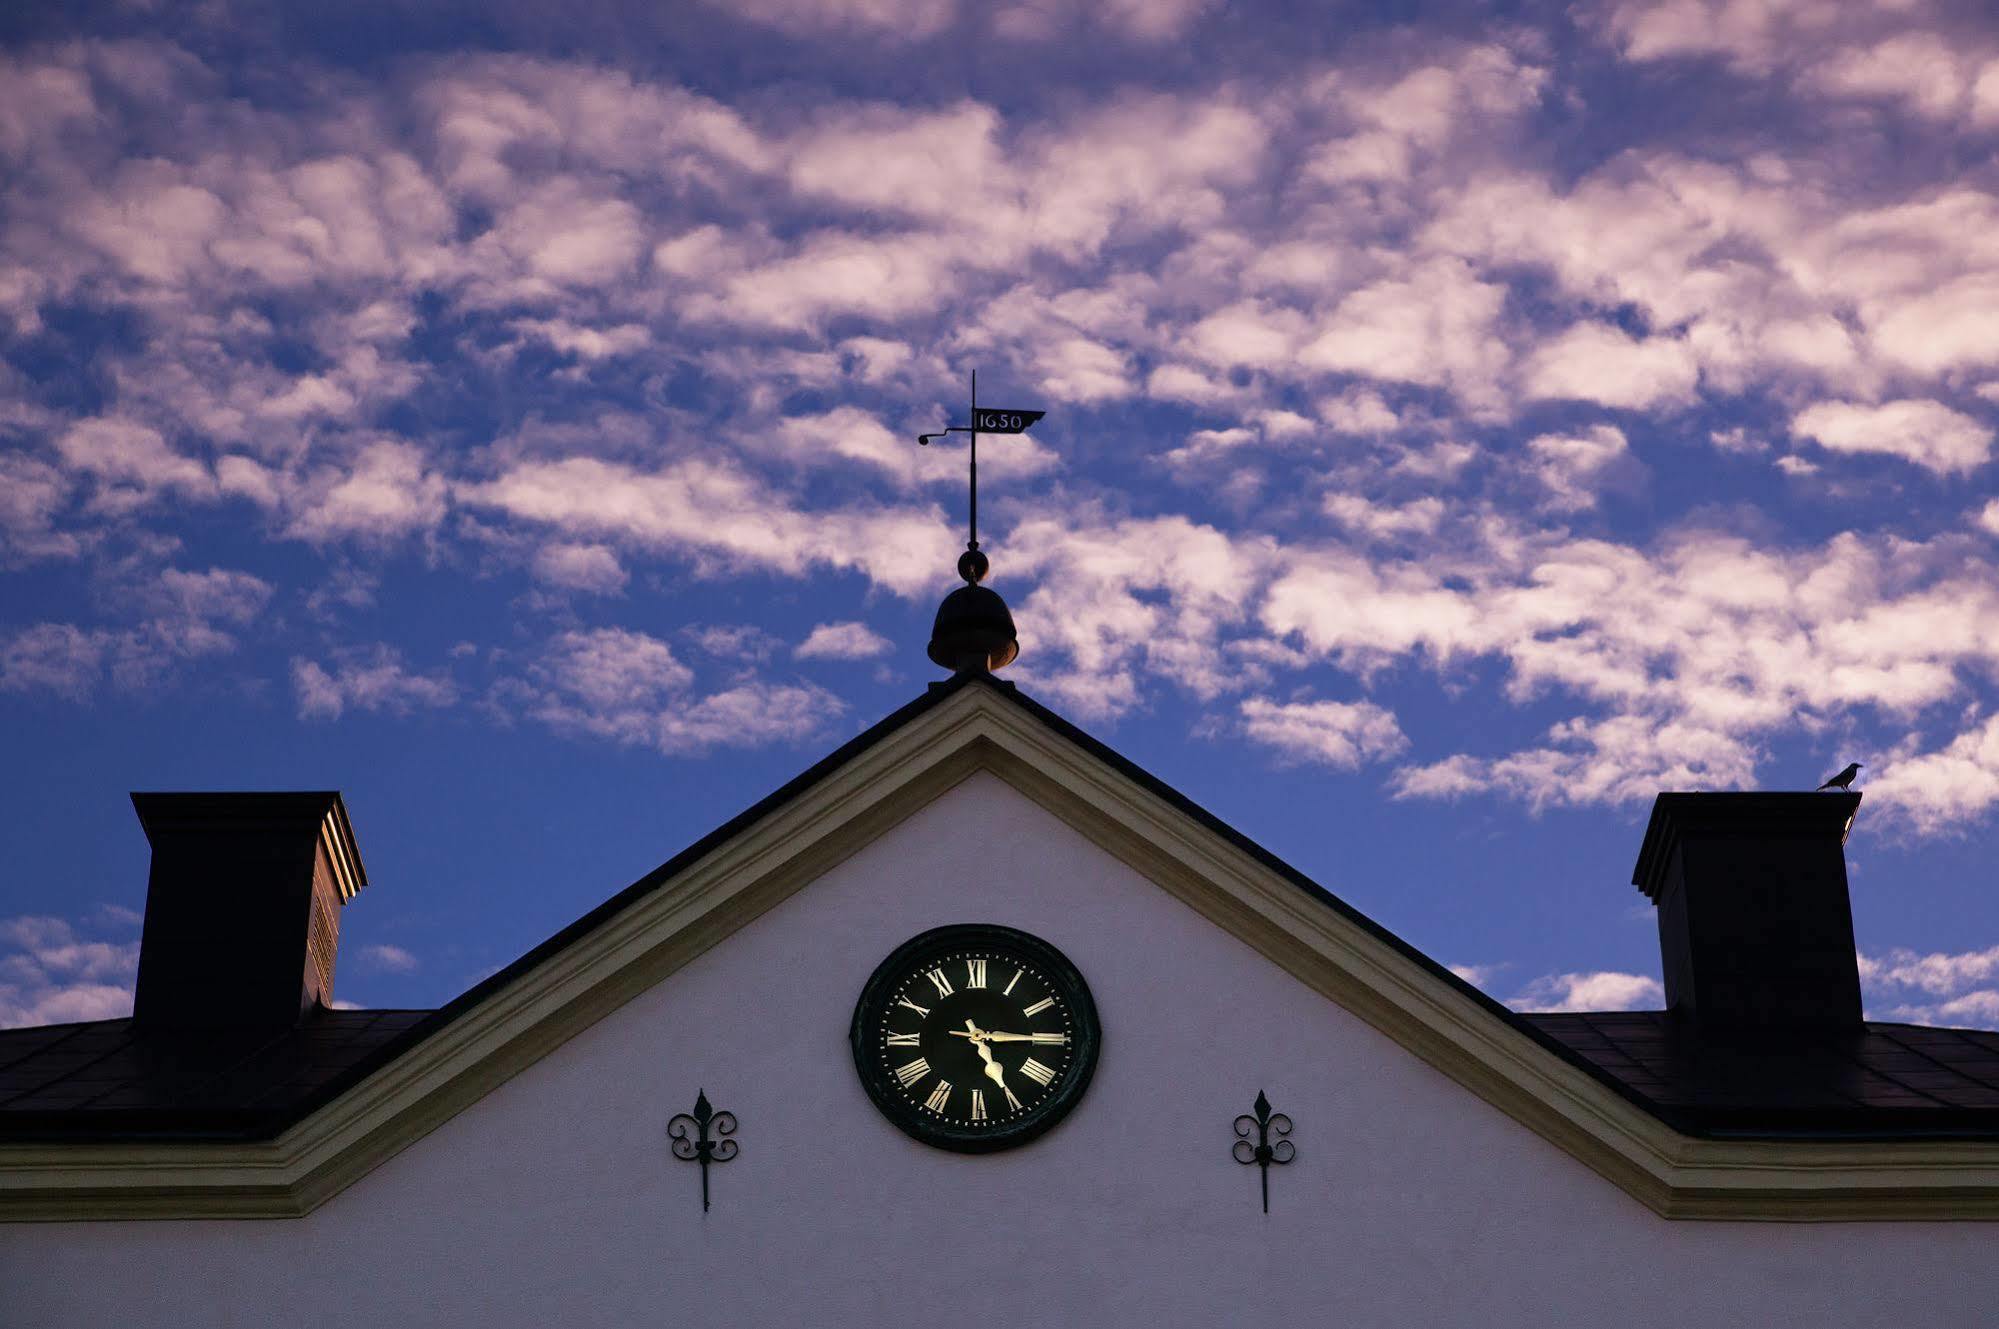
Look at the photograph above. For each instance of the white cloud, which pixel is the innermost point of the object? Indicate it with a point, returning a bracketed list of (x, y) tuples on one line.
[(182, 614), (714, 511), (580, 567), (1437, 326), (386, 959), (584, 342), (1924, 433), (1596, 362), (385, 492), (56, 657), (1938, 988), (749, 715), (1452, 777), (1947, 786), (1621, 759), (50, 974), (1385, 522), (1359, 411), (1750, 34), (222, 593), (32, 495), (131, 463), (373, 679), (628, 687), (1154, 20), (613, 672), (1337, 734), (843, 641), (1114, 598), (893, 20), (1917, 69), (737, 641), (1939, 974), (1571, 466), (1602, 990)]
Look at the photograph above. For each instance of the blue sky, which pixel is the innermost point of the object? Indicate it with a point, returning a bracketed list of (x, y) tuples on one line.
[(1463, 422)]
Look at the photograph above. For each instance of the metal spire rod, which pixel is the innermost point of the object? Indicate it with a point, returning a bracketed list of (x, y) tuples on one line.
[(974, 542), (992, 422)]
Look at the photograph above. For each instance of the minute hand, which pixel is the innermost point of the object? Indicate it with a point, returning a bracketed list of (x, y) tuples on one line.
[(1026, 1038)]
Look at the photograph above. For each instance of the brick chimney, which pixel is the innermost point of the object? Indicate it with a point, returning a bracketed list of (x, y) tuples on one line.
[(1755, 927), (242, 908)]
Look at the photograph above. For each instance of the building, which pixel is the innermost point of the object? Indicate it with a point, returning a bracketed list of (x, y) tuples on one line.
[(239, 1153)]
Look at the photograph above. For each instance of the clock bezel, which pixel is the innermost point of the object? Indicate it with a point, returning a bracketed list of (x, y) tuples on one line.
[(871, 1012)]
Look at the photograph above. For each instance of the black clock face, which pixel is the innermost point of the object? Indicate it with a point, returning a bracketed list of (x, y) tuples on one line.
[(975, 1037)]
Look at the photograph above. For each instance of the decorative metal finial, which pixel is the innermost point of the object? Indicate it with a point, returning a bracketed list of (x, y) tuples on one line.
[(973, 565), (1263, 1153), (974, 631), (690, 1138)]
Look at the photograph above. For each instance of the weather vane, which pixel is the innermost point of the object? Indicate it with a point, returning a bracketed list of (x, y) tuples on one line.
[(991, 420)]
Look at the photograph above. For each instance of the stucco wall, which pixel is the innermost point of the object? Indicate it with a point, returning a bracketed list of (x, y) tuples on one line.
[(554, 1202)]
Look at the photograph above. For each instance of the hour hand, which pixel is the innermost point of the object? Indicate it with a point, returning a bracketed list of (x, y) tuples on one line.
[(994, 1071)]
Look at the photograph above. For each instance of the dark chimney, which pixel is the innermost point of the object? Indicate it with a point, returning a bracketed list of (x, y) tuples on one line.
[(243, 907), (1755, 928)]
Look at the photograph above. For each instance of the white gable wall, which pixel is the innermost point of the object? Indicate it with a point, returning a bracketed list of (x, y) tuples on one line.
[(1412, 1202)]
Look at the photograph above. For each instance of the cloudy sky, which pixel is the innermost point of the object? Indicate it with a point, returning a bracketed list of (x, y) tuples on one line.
[(1462, 423)]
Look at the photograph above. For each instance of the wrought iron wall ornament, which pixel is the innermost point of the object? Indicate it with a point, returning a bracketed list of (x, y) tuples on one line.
[(690, 1138), (1263, 1153)]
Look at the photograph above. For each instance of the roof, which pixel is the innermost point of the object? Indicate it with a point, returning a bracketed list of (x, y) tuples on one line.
[(114, 1079), (1884, 1080), (1631, 1094)]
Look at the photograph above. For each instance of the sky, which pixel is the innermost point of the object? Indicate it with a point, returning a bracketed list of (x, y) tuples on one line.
[(1463, 422)]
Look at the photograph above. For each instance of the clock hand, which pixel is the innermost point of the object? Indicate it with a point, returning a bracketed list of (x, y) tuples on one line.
[(994, 1071)]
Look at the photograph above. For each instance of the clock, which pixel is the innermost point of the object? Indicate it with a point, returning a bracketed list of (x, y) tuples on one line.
[(975, 1037)]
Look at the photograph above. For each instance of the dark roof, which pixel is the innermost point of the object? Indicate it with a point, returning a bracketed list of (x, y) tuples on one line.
[(1882, 1080), (111, 1080)]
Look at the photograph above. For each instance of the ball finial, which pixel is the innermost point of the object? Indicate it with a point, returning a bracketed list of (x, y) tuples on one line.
[(973, 566)]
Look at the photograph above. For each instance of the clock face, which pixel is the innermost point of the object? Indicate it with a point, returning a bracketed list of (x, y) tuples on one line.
[(975, 1037)]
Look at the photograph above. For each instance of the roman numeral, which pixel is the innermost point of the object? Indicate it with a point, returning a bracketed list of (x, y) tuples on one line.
[(1052, 1040), (912, 1072), (1011, 981), (1036, 1072), (939, 1096), (916, 1040), (978, 1106), (904, 1001), (1011, 1101), (943, 983), (1040, 1006), (975, 973)]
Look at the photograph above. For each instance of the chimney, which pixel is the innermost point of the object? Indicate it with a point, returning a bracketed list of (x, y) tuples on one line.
[(242, 908), (1755, 928)]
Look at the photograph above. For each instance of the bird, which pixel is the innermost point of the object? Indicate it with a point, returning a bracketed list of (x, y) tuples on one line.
[(1844, 780)]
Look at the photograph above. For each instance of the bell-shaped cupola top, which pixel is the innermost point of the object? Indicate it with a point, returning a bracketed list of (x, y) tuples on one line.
[(974, 631)]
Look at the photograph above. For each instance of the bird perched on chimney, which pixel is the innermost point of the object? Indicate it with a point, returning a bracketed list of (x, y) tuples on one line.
[(1844, 780)]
